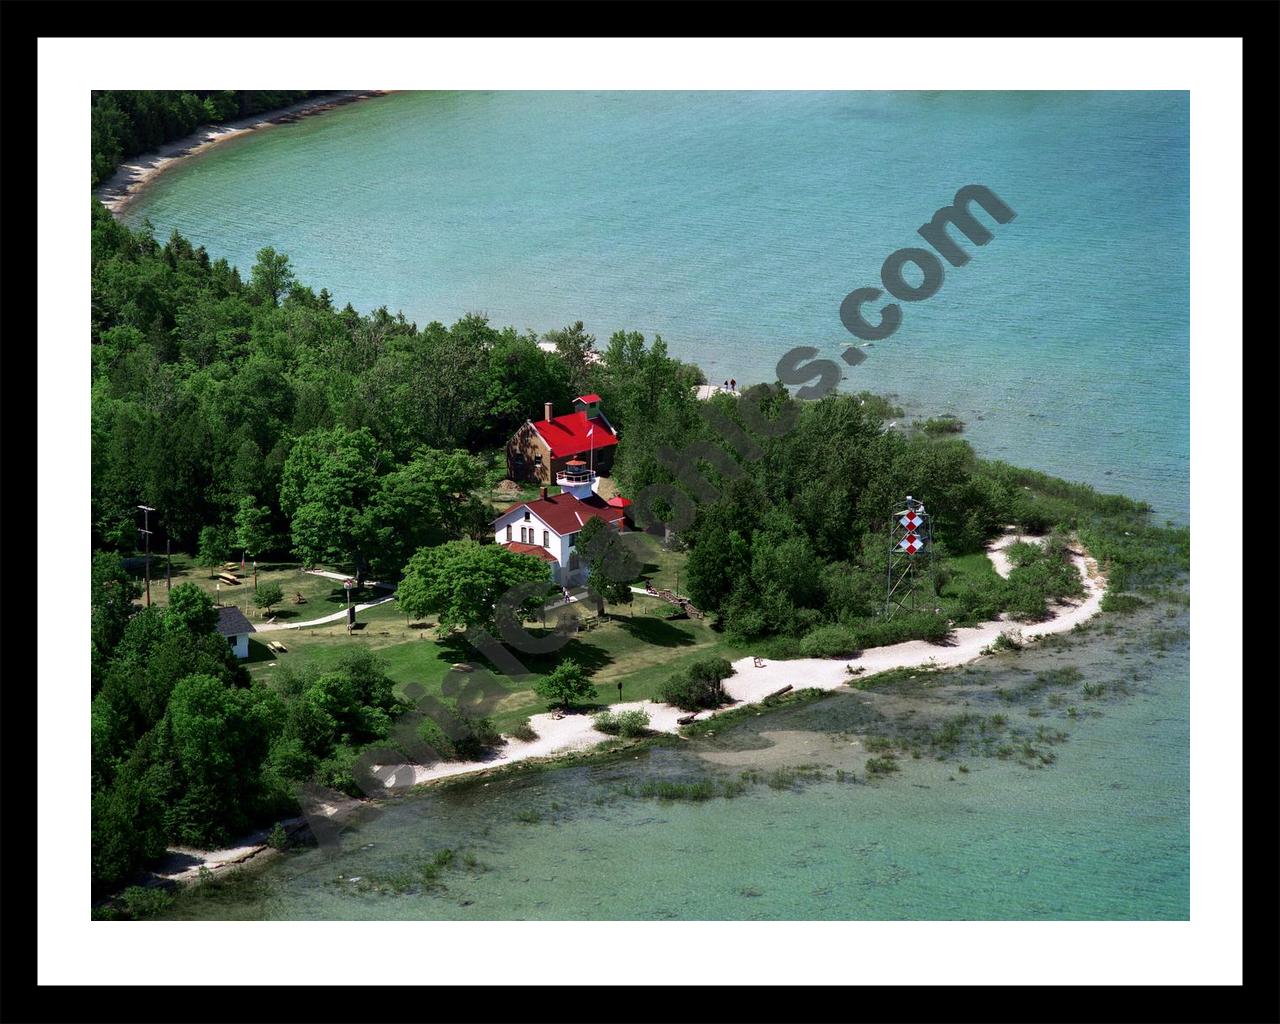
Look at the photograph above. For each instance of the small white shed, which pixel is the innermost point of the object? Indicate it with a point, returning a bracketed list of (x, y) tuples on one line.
[(236, 628)]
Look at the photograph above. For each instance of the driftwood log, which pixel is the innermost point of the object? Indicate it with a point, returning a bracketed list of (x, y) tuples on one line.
[(778, 693), (686, 719)]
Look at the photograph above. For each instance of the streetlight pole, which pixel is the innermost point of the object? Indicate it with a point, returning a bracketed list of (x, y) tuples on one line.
[(146, 529)]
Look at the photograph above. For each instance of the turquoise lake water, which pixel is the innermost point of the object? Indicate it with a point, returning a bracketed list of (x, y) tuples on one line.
[(734, 224), (1098, 834)]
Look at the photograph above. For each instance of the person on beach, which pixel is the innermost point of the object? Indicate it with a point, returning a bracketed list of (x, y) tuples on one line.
[(733, 384)]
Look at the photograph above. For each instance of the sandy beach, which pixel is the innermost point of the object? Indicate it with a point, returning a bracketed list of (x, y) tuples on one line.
[(135, 173)]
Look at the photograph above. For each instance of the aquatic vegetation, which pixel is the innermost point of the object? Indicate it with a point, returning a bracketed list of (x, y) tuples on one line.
[(786, 778), (431, 869), (704, 789), (899, 680), (1066, 675), (1121, 604), (881, 766)]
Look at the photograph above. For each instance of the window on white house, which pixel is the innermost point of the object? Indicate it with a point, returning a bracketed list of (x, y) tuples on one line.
[(508, 532), (546, 539), (524, 539)]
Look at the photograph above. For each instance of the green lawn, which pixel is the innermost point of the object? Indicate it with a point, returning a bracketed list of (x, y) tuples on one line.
[(664, 568), (323, 595), (636, 645), (640, 650)]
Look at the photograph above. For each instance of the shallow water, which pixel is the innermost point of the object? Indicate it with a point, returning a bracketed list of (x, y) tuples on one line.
[(735, 223), (1100, 833)]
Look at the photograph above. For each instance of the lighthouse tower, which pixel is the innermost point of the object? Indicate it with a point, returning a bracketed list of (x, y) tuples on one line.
[(576, 479)]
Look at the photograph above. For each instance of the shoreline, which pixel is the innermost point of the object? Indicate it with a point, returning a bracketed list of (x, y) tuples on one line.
[(133, 175), (576, 733), (751, 684)]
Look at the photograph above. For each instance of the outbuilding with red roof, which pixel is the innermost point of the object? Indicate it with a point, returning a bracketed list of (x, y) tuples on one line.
[(540, 449)]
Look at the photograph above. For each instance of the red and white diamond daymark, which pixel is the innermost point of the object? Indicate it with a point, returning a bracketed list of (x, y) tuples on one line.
[(910, 544), (911, 520)]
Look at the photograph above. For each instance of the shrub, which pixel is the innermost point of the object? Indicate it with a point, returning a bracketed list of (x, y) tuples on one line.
[(337, 771), (479, 737), (1023, 552), (633, 722), (430, 733), (144, 901), (459, 738), (566, 685), (524, 731), (832, 641), (879, 406), (711, 670), (944, 424), (699, 686), (1004, 642), (980, 600), (279, 838), (909, 626)]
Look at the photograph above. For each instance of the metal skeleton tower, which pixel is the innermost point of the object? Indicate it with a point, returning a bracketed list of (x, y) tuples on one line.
[(910, 561)]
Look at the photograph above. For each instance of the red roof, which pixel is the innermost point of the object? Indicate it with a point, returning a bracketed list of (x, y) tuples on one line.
[(530, 549), (566, 514), (618, 501), (567, 435), (589, 399)]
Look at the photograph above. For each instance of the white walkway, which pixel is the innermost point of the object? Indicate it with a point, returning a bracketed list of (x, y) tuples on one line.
[(267, 627)]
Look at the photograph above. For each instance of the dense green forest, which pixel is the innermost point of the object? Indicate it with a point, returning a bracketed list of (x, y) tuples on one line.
[(125, 123), (255, 415)]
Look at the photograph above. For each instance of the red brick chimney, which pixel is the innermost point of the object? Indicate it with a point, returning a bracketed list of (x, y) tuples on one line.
[(546, 410), (544, 492)]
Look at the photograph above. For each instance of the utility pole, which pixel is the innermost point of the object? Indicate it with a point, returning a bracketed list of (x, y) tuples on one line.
[(146, 529), (168, 552)]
